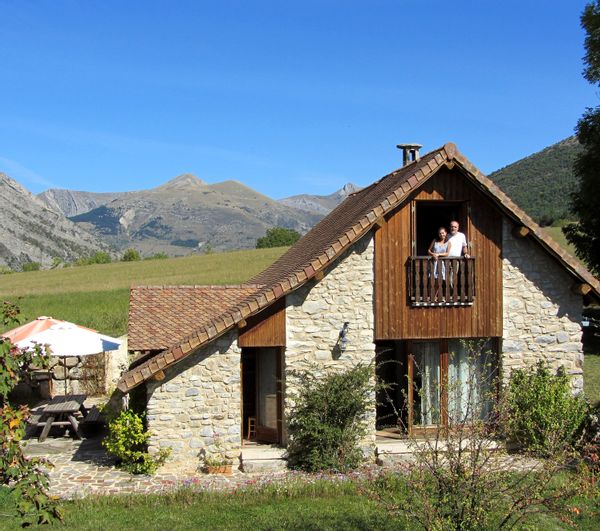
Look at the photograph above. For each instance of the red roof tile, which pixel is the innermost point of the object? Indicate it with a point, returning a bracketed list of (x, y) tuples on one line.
[(162, 316)]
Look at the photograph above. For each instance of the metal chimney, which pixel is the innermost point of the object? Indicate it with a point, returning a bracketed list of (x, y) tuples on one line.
[(410, 152)]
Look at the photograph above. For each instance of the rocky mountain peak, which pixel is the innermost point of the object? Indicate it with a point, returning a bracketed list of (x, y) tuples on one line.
[(185, 180)]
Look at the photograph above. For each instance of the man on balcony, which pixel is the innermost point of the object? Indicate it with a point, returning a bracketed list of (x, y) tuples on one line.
[(457, 242)]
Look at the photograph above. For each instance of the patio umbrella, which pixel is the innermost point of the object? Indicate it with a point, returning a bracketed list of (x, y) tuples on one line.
[(68, 339)]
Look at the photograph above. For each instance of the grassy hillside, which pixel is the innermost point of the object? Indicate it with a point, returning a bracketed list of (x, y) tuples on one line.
[(97, 296), (541, 183)]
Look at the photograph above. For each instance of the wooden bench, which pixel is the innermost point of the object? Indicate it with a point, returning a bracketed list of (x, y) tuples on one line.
[(94, 417)]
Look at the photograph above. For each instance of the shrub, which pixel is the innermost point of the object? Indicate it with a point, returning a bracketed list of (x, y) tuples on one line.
[(543, 416), (131, 255), (157, 256), (128, 440), (99, 257), (278, 237), (327, 419), (31, 266)]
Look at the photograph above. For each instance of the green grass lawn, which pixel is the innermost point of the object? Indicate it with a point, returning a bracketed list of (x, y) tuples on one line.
[(323, 505), (591, 377), (97, 296), (557, 235)]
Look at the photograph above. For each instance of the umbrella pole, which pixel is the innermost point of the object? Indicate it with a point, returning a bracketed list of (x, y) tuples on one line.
[(66, 374)]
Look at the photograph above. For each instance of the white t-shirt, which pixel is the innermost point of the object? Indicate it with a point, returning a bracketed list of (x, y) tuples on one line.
[(456, 244)]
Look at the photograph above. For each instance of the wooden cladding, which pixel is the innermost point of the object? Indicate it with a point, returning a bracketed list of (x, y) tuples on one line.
[(395, 315), (441, 282), (267, 329)]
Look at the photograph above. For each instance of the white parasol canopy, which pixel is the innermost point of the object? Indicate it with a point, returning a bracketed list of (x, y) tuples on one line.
[(68, 339)]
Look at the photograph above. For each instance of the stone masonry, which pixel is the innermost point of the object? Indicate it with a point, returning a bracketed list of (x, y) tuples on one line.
[(541, 315), (198, 405), (200, 398), (316, 312)]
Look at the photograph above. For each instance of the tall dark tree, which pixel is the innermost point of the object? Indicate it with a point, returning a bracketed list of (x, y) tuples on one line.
[(585, 234)]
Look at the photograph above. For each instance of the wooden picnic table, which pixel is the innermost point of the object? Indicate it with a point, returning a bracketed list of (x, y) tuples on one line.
[(61, 411)]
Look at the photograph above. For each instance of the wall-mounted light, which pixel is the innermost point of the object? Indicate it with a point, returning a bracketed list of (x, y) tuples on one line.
[(343, 337)]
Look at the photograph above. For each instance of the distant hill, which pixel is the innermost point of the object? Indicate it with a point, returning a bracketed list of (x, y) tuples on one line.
[(30, 232), (541, 183), (320, 204), (188, 214), (72, 203)]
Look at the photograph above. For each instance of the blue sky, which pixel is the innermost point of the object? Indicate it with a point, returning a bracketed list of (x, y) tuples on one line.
[(287, 97)]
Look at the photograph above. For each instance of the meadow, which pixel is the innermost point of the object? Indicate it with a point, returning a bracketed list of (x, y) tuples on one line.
[(97, 295), (319, 504)]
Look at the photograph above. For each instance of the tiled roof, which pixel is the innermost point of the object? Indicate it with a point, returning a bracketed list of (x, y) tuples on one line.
[(333, 235), (161, 316)]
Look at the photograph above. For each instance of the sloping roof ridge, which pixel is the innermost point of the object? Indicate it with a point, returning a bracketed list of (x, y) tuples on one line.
[(396, 172), (197, 286), (271, 292)]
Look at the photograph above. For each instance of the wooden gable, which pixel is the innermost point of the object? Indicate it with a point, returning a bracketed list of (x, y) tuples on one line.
[(395, 317), (267, 329)]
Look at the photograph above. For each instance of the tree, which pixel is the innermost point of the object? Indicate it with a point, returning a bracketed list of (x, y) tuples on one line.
[(278, 237), (25, 476), (584, 234), (131, 255)]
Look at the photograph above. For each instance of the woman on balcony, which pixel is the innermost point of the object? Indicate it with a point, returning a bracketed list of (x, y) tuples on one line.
[(439, 248)]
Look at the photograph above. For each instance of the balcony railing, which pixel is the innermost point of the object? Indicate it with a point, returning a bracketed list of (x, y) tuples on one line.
[(441, 282)]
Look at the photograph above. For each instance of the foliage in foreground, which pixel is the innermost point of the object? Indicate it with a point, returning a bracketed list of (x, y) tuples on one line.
[(26, 477), (460, 475), (128, 441), (327, 420), (543, 416), (306, 502)]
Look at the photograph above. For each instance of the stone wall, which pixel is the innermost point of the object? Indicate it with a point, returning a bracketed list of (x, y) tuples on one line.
[(200, 398), (316, 312), (541, 315)]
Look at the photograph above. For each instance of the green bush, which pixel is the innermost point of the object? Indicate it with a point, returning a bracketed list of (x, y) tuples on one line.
[(327, 419), (157, 256), (543, 416), (99, 257), (31, 266), (128, 440), (278, 237), (131, 255)]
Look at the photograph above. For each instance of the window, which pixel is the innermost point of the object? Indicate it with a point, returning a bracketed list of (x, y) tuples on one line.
[(450, 382)]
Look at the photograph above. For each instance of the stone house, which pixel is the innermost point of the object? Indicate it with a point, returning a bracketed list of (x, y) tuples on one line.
[(220, 360)]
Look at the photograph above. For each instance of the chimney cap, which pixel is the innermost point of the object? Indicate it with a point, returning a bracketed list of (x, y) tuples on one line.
[(410, 152), (409, 146)]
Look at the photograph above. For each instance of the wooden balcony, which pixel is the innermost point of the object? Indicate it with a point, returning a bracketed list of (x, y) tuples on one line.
[(441, 282)]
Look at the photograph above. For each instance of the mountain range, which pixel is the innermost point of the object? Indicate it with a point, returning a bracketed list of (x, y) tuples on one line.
[(187, 214)]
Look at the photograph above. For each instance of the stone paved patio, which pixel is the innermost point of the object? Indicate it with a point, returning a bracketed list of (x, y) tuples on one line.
[(82, 468)]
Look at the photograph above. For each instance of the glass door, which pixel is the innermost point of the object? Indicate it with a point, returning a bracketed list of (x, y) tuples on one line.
[(425, 385), (268, 396), (451, 382)]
